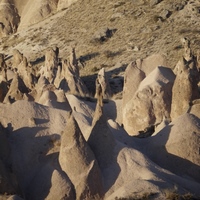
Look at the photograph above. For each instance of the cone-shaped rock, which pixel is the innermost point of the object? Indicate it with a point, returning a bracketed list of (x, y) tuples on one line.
[(101, 139), (103, 80), (16, 90), (75, 84), (79, 163), (17, 58), (51, 64), (132, 79), (185, 88)]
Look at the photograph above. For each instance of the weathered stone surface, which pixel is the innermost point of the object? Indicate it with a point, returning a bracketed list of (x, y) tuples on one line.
[(17, 58), (178, 146), (79, 163), (103, 81), (151, 102), (51, 64), (71, 75), (9, 18), (132, 79), (16, 90), (185, 88)]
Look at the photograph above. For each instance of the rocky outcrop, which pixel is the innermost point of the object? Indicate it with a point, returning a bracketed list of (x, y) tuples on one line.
[(51, 64), (103, 81), (151, 102), (70, 72), (9, 18), (76, 152), (185, 88), (16, 90), (17, 58), (132, 79), (178, 146)]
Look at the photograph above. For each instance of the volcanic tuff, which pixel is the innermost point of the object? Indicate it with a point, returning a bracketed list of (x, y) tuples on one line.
[(97, 97)]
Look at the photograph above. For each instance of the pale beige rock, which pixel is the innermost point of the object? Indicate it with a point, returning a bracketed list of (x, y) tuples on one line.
[(103, 81), (132, 79), (79, 163), (17, 58), (151, 102), (35, 11), (151, 62), (101, 139), (75, 84), (9, 18), (51, 64), (178, 146), (185, 88), (16, 90)]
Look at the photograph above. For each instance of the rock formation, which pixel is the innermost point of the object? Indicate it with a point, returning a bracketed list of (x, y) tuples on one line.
[(17, 58), (103, 81), (51, 64), (132, 79), (3, 67), (16, 90), (79, 163), (70, 72), (177, 145), (185, 88), (9, 18), (150, 103)]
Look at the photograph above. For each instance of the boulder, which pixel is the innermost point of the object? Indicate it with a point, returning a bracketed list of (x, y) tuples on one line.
[(151, 102)]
